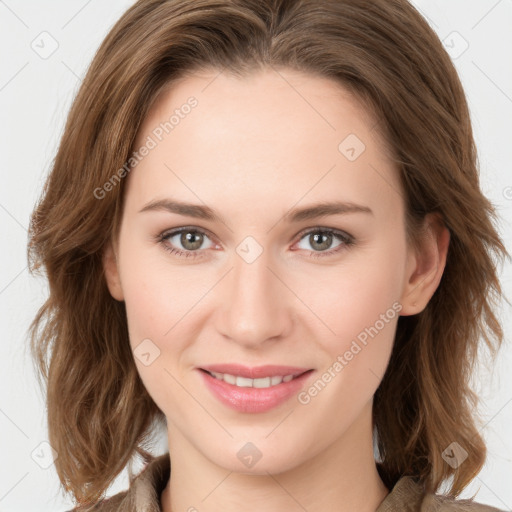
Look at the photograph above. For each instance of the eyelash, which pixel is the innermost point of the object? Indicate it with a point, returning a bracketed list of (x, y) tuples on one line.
[(347, 240)]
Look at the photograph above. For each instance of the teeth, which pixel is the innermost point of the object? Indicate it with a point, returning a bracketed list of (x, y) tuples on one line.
[(276, 380), (261, 383), (244, 382)]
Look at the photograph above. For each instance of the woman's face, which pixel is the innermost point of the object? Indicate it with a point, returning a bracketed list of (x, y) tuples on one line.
[(259, 274)]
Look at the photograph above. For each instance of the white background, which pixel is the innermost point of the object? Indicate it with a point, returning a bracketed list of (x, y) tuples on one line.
[(35, 95)]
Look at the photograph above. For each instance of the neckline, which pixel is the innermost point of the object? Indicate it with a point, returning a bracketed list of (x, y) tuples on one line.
[(406, 495)]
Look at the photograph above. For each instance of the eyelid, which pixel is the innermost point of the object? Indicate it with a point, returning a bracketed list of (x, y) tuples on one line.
[(345, 237), (175, 231), (314, 229), (299, 235)]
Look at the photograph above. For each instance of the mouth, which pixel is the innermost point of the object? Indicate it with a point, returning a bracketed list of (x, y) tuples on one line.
[(256, 389), (260, 383), (256, 376)]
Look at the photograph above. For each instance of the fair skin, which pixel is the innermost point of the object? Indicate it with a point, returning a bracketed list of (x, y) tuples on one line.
[(252, 150)]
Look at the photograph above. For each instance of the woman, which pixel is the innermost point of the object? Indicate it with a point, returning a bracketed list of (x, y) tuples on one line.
[(263, 229)]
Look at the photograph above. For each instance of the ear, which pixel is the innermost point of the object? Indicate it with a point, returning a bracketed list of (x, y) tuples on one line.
[(111, 270), (425, 265)]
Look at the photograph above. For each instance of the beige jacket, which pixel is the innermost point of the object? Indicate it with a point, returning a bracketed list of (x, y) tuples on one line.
[(143, 495)]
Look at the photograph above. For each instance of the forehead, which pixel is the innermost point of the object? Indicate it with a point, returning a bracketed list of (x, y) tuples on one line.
[(281, 131), (255, 101)]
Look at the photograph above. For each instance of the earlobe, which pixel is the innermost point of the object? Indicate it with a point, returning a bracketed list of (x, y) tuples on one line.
[(111, 271), (425, 266)]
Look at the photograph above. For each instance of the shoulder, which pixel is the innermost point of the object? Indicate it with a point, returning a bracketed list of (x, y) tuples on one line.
[(408, 496), (143, 493)]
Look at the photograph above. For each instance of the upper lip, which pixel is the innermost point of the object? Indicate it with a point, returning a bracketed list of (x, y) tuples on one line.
[(255, 372)]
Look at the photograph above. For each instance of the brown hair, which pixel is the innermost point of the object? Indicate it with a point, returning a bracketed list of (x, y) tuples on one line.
[(99, 413)]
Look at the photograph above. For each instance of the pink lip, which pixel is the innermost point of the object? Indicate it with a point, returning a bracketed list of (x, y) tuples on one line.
[(254, 400)]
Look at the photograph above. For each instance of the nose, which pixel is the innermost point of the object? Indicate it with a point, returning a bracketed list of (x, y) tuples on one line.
[(256, 304)]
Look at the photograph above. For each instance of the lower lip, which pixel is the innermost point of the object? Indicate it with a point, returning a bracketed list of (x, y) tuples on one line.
[(253, 400)]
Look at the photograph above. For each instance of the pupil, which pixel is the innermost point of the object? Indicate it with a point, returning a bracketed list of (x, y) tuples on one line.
[(326, 243), (187, 240)]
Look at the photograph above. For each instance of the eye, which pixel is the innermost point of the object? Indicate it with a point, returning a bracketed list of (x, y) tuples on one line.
[(190, 240), (321, 239), (187, 242)]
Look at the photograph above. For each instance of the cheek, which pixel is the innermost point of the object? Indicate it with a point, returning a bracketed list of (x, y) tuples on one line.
[(147, 311), (161, 303), (362, 309), (155, 309), (356, 295), (361, 305), (157, 296)]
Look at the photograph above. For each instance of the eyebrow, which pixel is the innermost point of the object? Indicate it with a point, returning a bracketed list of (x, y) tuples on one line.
[(296, 215)]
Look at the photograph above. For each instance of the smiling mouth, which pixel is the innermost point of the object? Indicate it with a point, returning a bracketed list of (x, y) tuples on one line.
[(260, 383), (254, 389)]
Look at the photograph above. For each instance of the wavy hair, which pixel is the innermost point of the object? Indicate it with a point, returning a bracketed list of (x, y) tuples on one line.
[(99, 413)]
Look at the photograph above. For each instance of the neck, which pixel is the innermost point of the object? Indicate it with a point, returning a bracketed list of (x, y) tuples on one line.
[(342, 477)]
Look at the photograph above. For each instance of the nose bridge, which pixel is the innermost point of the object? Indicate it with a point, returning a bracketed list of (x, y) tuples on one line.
[(254, 305)]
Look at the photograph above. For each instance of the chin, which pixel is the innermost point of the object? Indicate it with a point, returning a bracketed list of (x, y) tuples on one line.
[(255, 458)]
